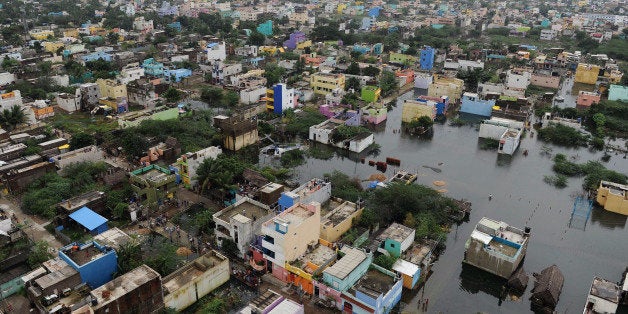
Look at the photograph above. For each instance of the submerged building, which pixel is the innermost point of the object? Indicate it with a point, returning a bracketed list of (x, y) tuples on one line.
[(496, 247), (613, 197)]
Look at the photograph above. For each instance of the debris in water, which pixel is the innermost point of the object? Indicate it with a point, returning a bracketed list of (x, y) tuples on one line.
[(433, 168)]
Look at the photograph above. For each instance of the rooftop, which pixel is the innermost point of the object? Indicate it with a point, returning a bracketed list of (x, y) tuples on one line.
[(343, 267), (309, 187), (123, 285), (374, 283), (270, 187), (152, 173), (340, 213), (82, 255), (405, 267), (614, 188), (265, 300), (245, 208), (296, 214), (605, 289), (88, 218), (55, 277), (113, 237), (318, 256), (499, 236), (192, 270), (397, 232), (81, 200)]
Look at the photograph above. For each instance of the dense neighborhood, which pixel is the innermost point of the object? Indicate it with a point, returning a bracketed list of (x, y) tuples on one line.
[(297, 156)]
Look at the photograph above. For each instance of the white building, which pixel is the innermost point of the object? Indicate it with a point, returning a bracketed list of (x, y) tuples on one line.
[(548, 34), (322, 133), (142, 25), (518, 78), (423, 80), (216, 51), (131, 72), (603, 297), (222, 71), (252, 95), (463, 65), (69, 102), (6, 78), (195, 159), (507, 132), (240, 222), (283, 97)]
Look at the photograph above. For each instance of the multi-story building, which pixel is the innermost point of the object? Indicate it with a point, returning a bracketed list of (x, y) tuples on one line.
[(130, 72), (315, 190), (414, 109), (378, 291), (188, 164), (426, 58), (221, 71), (279, 98), (237, 131), (216, 51), (142, 25), (613, 197), (339, 220), (395, 240), (153, 185), (496, 247), (240, 222), (587, 73), (152, 67), (176, 75), (471, 103), (548, 34), (41, 34), (111, 89), (518, 78), (400, 58), (95, 263), (141, 92), (325, 83), (548, 81), (446, 86)]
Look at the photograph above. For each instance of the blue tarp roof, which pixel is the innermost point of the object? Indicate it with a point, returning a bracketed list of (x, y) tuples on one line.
[(88, 218)]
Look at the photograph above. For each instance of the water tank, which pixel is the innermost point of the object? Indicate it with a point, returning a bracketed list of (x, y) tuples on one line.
[(526, 231)]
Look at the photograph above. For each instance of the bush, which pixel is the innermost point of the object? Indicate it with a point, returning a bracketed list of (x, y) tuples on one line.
[(385, 261), (563, 135), (292, 158), (559, 181)]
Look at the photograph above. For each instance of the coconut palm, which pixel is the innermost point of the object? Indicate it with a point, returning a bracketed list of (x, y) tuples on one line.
[(10, 118)]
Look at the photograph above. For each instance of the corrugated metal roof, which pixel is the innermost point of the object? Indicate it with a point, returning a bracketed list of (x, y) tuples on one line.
[(88, 218), (481, 236), (347, 263), (405, 267)]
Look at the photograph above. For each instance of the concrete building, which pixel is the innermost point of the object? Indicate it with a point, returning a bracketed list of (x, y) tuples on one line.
[(339, 220), (176, 75), (271, 302), (315, 190), (130, 72), (374, 113), (408, 272), (548, 34), (152, 67), (216, 51), (472, 104), (280, 98), (603, 297), (422, 80), (189, 163), (237, 131), (618, 93), (414, 109), (586, 99), (222, 72), (426, 58), (195, 280), (59, 276), (370, 93), (587, 73), (89, 153), (395, 240), (69, 102), (138, 291), (446, 86), (90, 95), (378, 291), (507, 132), (496, 247), (547, 81), (95, 263), (6, 78), (400, 58), (153, 185), (517, 78), (613, 197), (240, 222), (322, 133), (253, 95), (345, 272), (111, 88), (325, 83), (142, 25), (96, 55)]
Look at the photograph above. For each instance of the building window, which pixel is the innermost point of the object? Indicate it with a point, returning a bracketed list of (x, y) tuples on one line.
[(269, 239), (392, 245)]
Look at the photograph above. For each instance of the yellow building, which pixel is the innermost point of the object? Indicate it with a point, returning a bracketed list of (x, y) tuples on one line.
[(41, 34), (414, 109), (613, 76), (111, 88), (52, 47), (341, 7), (446, 86), (587, 73), (613, 197), (325, 83), (339, 220), (304, 44), (73, 32)]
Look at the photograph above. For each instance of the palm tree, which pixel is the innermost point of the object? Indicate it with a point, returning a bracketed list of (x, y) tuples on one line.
[(10, 118)]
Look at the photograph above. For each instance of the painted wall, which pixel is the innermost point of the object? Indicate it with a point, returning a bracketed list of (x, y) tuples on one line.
[(472, 104), (332, 233), (613, 202)]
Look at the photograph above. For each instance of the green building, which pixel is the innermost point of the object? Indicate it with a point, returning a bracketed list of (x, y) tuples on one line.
[(153, 185), (371, 93)]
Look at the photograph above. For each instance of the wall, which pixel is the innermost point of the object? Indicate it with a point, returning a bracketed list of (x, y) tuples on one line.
[(587, 73), (360, 144), (90, 153), (616, 203), (252, 95), (297, 238), (243, 140), (344, 284), (413, 109), (492, 262), (333, 233), (473, 105)]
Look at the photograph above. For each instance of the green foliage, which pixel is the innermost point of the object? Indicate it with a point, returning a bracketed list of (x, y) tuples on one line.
[(256, 38), (352, 83), (10, 118), (212, 95), (344, 132), (489, 144), (422, 123), (559, 181), (173, 95), (273, 74), (321, 152), (388, 83), (345, 187), (230, 247), (204, 221), (39, 253), (299, 123), (129, 256), (608, 117), (598, 143), (428, 226), (594, 172), (292, 158), (353, 69), (371, 71), (385, 261), (474, 76), (166, 260), (215, 306), (220, 173), (81, 140), (563, 135)]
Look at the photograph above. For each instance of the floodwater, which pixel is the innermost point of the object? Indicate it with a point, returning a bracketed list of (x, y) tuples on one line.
[(520, 198)]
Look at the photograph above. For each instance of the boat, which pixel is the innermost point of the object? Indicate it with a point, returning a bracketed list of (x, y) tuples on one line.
[(403, 177)]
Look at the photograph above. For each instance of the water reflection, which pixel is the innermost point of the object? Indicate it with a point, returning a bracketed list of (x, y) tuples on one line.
[(607, 220), (474, 280)]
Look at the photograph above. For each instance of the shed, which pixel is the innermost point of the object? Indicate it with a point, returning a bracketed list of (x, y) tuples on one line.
[(409, 272), (89, 219), (518, 281), (547, 288)]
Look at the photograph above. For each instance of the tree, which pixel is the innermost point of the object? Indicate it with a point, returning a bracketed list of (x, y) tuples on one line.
[(370, 71), (129, 256), (10, 118), (39, 253), (212, 95), (409, 221), (220, 173), (112, 38), (207, 77), (352, 82), (231, 99), (165, 260), (388, 83), (230, 247), (80, 140), (273, 74), (353, 69), (385, 261), (256, 38), (215, 306), (172, 95), (44, 67)]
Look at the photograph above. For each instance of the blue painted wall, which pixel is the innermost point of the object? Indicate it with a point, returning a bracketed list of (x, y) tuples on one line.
[(96, 272), (278, 101), (427, 58), (477, 106)]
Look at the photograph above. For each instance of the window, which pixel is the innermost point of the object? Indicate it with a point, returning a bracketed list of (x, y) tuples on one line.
[(269, 239), (392, 245)]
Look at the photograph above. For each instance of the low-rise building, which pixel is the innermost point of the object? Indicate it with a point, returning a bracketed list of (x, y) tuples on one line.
[(613, 197), (69, 102), (195, 280), (95, 263), (587, 73), (518, 78), (370, 93), (153, 185), (603, 297), (240, 222), (409, 273), (472, 104), (618, 93), (322, 133), (315, 190), (496, 247), (395, 240), (414, 109), (345, 272), (339, 220), (586, 99), (325, 83), (547, 81), (445, 86), (237, 131), (188, 164), (378, 291)]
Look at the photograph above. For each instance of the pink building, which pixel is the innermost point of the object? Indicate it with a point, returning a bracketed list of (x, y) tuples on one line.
[(545, 81), (586, 99)]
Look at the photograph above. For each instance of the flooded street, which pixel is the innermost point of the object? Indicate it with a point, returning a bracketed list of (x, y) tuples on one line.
[(520, 198)]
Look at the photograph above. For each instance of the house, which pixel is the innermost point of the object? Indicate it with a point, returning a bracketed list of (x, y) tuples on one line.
[(152, 67), (288, 236), (395, 240), (90, 220), (97, 55), (266, 28), (302, 271), (237, 131), (414, 109), (130, 72), (7, 78), (370, 93), (344, 273), (618, 93), (587, 73), (138, 291), (95, 263), (400, 58), (41, 34), (547, 81), (586, 99), (446, 86), (378, 291), (325, 83), (442, 103), (69, 102), (472, 104), (89, 153), (240, 222), (518, 78), (195, 280), (176, 75), (547, 289), (322, 133), (496, 247), (142, 25), (507, 132), (189, 163), (426, 58), (222, 72), (409, 273), (548, 34), (90, 94), (18, 179), (315, 190), (253, 95), (59, 276), (422, 80), (153, 185), (613, 197), (279, 98), (141, 92), (113, 238), (295, 39), (374, 113), (216, 51), (271, 302), (339, 220), (42, 109), (110, 88), (603, 297)]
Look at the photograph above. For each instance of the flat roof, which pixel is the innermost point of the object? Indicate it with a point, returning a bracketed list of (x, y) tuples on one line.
[(343, 267), (55, 277), (318, 256), (123, 285), (295, 215), (88, 218), (287, 306), (605, 289), (246, 209), (340, 213), (397, 232), (270, 187), (192, 270), (375, 283), (405, 267), (113, 237), (83, 255), (80, 200), (265, 300)]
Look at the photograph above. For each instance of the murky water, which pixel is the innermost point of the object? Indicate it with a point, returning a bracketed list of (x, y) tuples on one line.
[(520, 197)]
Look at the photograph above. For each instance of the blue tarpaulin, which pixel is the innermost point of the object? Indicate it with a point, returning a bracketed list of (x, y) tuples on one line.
[(91, 220)]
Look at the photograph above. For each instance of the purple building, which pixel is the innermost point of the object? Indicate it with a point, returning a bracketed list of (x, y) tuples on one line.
[(295, 38)]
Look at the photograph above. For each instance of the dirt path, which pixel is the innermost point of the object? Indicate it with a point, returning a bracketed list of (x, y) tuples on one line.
[(33, 226)]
